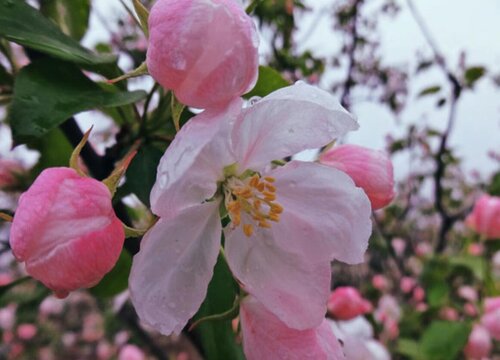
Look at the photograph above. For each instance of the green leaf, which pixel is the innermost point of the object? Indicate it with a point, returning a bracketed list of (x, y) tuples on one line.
[(71, 16), (409, 348), (23, 24), (143, 15), (444, 340), (47, 92), (55, 150), (116, 280), (473, 74), (494, 187), (141, 174), (429, 90), (269, 81), (474, 264), (217, 337)]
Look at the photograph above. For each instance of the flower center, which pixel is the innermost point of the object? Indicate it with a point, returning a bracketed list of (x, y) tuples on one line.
[(254, 195)]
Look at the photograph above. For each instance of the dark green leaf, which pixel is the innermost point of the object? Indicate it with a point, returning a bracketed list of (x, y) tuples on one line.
[(141, 174), (269, 81), (217, 337), (429, 90), (494, 188), (55, 150), (47, 92), (71, 16), (116, 280), (444, 340), (23, 24), (5, 77), (473, 74), (409, 348)]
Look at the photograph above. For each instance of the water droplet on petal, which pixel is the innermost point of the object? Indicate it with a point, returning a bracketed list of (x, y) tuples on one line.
[(254, 100)]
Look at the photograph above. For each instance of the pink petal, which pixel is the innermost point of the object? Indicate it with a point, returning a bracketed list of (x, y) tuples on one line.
[(485, 217), (286, 122), (325, 215), (265, 337), (294, 289), (204, 50), (171, 272), (370, 169), (190, 168)]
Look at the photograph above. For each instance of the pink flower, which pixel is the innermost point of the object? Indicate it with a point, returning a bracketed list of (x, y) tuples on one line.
[(66, 231), (479, 344), (492, 304), (8, 171), (476, 249), (26, 331), (203, 50), (467, 293), (346, 303), (131, 352), (266, 337), (418, 294), (449, 313), (485, 217), (370, 169), (407, 284), (399, 246), (380, 282), (287, 222)]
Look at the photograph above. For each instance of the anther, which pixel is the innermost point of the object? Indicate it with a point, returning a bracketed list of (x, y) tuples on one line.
[(270, 179), (264, 224), (248, 230)]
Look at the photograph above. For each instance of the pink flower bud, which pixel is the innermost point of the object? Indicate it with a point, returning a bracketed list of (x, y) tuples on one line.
[(485, 217), (479, 345), (399, 246), (346, 303), (449, 313), (407, 284), (491, 321), (131, 352), (380, 282), (470, 309), (418, 294), (203, 50), (423, 249), (370, 169), (8, 171), (26, 331), (476, 249), (66, 231), (468, 293)]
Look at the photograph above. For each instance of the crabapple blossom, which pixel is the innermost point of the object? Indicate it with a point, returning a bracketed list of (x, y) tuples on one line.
[(346, 303), (66, 231), (491, 318), (8, 171), (203, 50), (266, 337), (370, 169), (485, 217), (287, 222), (131, 352), (479, 344)]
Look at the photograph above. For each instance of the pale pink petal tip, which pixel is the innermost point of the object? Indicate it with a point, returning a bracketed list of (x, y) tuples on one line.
[(265, 337), (66, 231), (203, 50), (371, 170)]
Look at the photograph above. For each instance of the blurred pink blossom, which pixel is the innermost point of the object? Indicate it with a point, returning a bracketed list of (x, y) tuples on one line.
[(418, 294), (479, 344), (370, 169), (470, 310), (8, 171), (399, 246), (7, 317), (203, 50), (468, 293), (380, 282), (485, 217), (346, 303), (26, 331), (66, 231), (131, 352), (449, 313), (407, 284), (476, 249), (423, 249)]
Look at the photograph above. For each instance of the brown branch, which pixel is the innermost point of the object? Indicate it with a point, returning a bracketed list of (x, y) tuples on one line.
[(447, 219), (351, 53)]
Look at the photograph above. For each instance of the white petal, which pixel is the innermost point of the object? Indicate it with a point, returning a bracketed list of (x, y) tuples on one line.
[(325, 215), (289, 120), (190, 168), (171, 272)]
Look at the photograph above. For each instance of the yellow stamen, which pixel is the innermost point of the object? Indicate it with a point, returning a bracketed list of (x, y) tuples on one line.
[(276, 208), (248, 229), (271, 188), (269, 195), (264, 224), (274, 217), (261, 187), (270, 179)]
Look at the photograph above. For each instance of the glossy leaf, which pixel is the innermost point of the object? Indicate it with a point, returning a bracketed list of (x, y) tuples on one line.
[(23, 24), (217, 337), (269, 81), (47, 92), (71, 16)]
